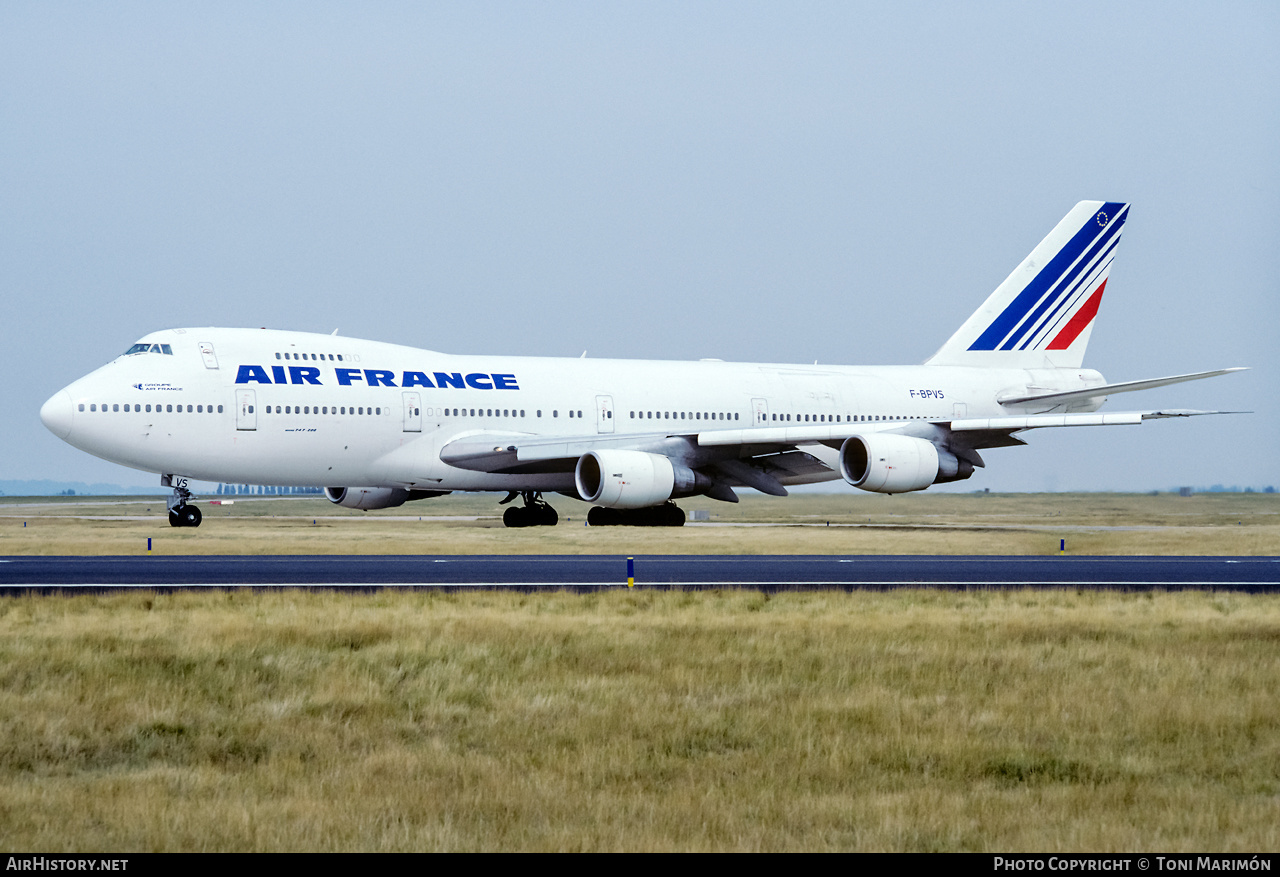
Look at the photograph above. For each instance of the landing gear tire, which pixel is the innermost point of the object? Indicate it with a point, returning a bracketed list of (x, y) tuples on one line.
[(665, 515), (185, 516), (534, 513)]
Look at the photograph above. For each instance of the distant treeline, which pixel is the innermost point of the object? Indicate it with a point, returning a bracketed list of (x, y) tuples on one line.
[(266, 490)]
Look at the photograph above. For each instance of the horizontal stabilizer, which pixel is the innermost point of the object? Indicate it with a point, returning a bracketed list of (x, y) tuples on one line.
[(1037, 421), (1110, 389)]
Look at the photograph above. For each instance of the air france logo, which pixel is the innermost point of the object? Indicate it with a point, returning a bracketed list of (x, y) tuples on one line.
[(375, 377)]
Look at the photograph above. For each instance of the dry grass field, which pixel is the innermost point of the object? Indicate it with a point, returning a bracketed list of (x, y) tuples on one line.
[(1165, 524), (916, 720), (640, 720)]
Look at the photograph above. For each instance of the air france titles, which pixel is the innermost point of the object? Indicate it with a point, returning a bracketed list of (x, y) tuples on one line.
[(375, 377)]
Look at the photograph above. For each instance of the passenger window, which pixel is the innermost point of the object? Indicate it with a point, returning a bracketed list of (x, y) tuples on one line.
[(277, 356), (219, 409)]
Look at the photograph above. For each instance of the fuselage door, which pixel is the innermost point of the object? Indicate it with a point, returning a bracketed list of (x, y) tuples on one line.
[(604, 414), (412, 412), (246, 415), (207, 354), (761, 409)]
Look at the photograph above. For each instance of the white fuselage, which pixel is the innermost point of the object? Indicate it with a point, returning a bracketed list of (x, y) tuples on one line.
[(291, 408)]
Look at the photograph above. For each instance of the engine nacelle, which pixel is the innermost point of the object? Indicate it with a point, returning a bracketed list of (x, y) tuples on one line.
[(898, 463), (367, 498), (633, 479)]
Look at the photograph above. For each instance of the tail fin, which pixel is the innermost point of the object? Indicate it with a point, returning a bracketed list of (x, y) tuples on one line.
[(1042, 315)]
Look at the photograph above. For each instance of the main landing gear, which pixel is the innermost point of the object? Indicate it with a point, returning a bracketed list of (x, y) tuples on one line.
[(181, 512), (666, 515), (534, 513)]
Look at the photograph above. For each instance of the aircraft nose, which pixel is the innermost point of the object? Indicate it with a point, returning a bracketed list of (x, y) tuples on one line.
[(56, 414)]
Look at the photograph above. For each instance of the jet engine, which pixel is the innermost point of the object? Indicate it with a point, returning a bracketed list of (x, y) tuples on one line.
[(634, 479), (885, 463), (369, 498)]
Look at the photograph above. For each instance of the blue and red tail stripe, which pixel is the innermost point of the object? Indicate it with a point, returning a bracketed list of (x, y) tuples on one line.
[(1076, 324), (1057, 283), (1081, 288)]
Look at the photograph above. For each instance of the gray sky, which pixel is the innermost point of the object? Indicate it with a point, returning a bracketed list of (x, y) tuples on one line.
[(844, 183)]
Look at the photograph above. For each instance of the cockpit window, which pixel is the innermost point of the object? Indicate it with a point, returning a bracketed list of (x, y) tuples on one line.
[(149, 348)]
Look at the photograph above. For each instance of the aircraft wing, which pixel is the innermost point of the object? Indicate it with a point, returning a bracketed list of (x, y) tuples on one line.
[(764, 457), (763, 466)]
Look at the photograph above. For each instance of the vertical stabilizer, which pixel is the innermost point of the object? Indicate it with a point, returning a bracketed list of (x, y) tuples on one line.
[(1042, 314)]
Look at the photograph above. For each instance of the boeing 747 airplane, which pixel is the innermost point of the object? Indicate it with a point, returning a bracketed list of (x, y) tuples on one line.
[(381, 424)]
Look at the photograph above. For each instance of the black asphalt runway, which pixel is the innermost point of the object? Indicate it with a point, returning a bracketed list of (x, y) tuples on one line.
[(539, 572)]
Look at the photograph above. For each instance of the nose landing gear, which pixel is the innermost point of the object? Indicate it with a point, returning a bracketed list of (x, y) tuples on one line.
[(181, 512)]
